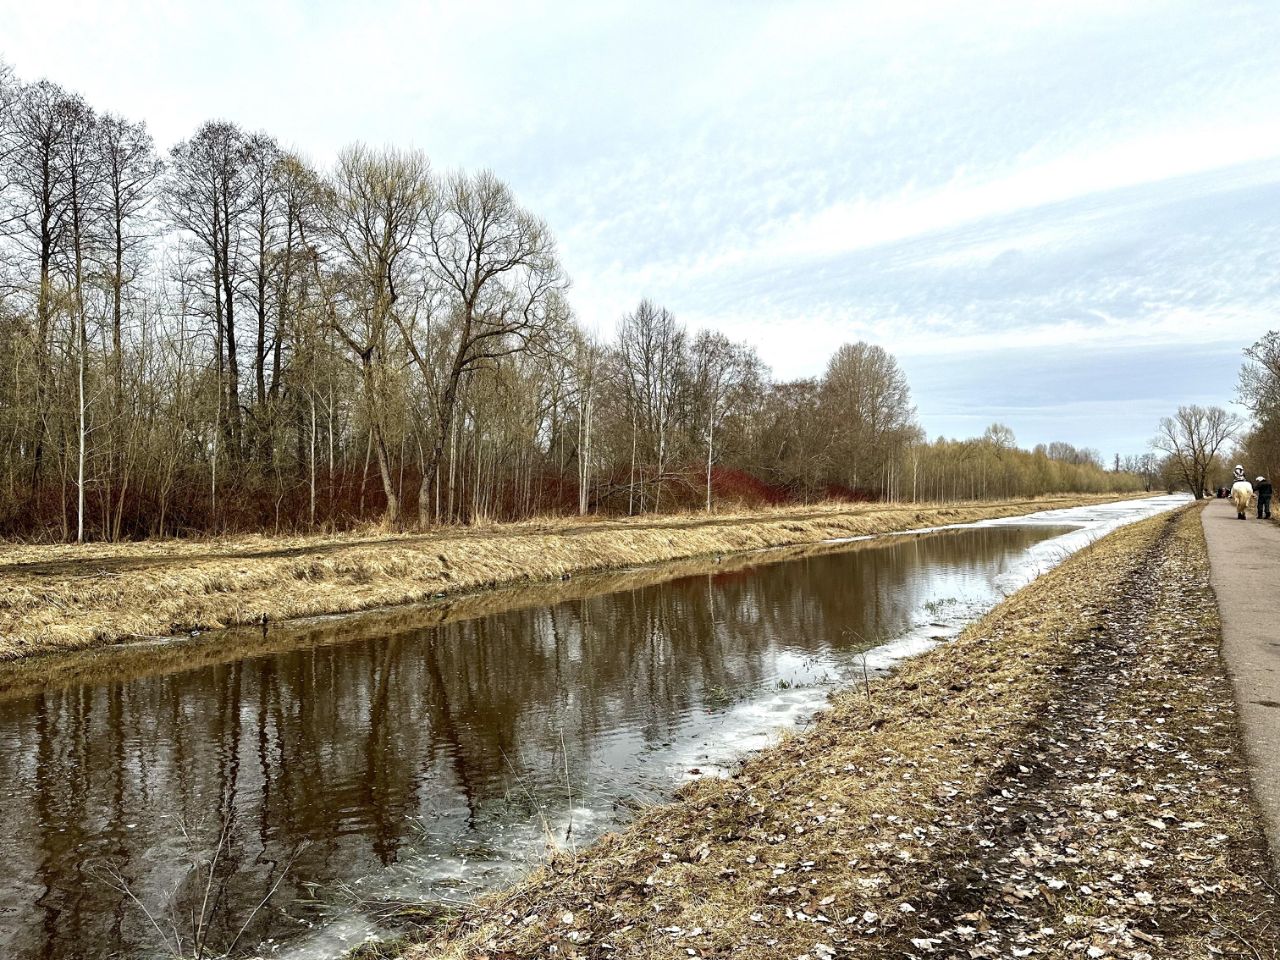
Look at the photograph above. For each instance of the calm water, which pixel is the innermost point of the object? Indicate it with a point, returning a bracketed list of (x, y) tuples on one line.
[(388, 763)]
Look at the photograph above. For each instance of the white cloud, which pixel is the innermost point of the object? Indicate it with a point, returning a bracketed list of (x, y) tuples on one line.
[(937, 177)]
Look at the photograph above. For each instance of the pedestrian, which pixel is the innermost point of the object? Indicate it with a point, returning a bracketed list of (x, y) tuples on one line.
[(1263, 490)]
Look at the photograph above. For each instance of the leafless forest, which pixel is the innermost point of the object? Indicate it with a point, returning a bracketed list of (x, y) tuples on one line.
[(220, 336)]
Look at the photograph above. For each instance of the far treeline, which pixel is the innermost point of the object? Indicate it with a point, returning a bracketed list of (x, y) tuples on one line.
[(226, 338)]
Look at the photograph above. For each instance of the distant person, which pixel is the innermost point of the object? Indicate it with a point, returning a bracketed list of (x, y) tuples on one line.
[(1241, 492), (1263, 490)]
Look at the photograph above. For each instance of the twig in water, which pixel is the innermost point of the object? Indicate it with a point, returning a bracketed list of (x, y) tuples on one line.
[(202, 926), (112, 877), (546, 825), (568, 786), (862, 659), (270, 893)]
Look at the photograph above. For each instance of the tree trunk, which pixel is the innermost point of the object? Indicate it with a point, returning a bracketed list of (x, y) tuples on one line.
[(447, 405), (82, 346), (711, 430), (311, 397)]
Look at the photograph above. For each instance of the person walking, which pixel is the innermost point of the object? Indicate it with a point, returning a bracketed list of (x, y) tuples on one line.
[(1263, 490)]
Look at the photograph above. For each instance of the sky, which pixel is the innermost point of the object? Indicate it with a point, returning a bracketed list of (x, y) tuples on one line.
[(1063, 216)]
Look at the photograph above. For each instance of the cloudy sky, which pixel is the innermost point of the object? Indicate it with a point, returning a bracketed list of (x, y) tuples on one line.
[(1063, 216)]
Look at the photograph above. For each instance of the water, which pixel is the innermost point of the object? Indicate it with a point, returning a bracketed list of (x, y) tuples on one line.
[(426, 754)]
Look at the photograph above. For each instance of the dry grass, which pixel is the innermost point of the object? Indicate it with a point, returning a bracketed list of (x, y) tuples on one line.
[(1063, 780), (103, 664), (65, 597)]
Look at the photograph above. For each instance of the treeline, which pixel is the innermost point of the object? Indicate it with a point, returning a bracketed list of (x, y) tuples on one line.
[(223, 337)]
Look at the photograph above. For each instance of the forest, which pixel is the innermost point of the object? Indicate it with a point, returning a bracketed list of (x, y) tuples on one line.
[(221, 336)]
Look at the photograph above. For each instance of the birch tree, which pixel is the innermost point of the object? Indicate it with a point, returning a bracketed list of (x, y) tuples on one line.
[(724, 372)]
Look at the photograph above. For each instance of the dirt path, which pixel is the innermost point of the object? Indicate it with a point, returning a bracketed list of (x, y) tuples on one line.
[(1244, 557)]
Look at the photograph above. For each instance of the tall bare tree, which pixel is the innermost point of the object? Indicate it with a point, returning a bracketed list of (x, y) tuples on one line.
[(263, 160), (867, 404), (39, 194), (83, 163), (207, 195), (130, 168), (498, 263), (725, 373), (374, 207), (652, 359)]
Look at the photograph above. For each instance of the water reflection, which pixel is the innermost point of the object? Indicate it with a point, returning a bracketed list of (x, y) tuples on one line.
[(424, 760)]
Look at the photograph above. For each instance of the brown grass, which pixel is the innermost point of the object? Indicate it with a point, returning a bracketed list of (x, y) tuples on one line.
[(67, 597), (1063, 780), (115, 663)]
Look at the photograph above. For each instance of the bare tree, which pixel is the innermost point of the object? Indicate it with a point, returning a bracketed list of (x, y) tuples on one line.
[(130, 169), (498, 263), (207, 196), (263, 159), (374, 206), (724, 373), (40, 188), (588, 359), (298, 314), (1192, 439), (867, 404), (652, 357), (9, 91), (83, 164)]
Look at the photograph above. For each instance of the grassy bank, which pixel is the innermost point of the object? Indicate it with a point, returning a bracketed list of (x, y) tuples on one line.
[(67, 597), (1063, 780), (104, 664)]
